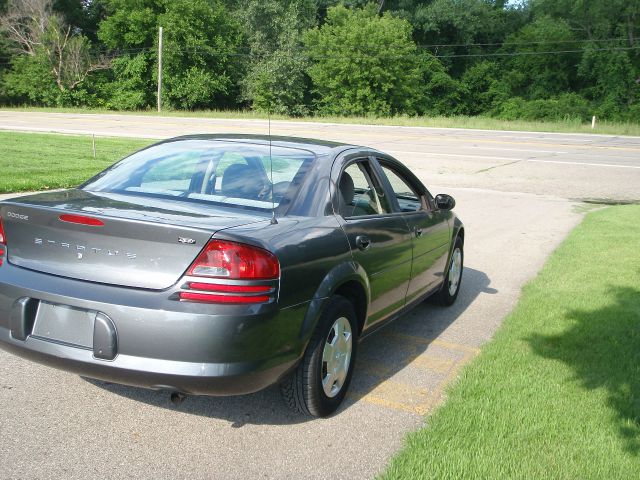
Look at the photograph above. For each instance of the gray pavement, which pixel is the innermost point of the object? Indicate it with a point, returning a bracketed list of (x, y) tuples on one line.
[(602, 167), (57, 425)]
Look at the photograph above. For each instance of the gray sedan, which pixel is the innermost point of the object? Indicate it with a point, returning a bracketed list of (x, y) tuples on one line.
[(220, 265)]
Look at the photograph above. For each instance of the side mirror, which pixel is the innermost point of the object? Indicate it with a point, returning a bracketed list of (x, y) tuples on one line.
[(445, 202)]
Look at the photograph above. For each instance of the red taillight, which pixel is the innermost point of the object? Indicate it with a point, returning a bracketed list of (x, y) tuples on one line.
[(209, 298), (237, 261), (234, 261), (212, 287), (3, 242), (81, 220)]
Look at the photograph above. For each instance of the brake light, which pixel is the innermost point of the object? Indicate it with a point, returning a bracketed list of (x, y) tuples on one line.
[(3, 243), (81, 220), (208, 298), (234, 261), (237, 261), (213, 287)]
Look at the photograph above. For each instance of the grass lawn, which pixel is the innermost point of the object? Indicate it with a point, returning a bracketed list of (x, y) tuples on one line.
[(32, 161), (556, 394), (486, 123)]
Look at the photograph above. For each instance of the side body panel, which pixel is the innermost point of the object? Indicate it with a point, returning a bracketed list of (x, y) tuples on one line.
[(387, 261), (431, 242)]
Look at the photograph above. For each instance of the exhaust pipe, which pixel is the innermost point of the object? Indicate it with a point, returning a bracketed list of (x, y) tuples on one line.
[(177, 398)]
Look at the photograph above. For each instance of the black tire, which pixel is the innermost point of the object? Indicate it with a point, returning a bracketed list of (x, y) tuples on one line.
[(444, 297), (303, 390)]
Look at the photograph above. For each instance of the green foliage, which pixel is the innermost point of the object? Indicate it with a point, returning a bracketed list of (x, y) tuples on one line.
[(275, 78), (536, 74), (200, 39), (611, 80), (278, 83), (442, 95), (130, 23), (363, 64), (567, 106), (130, 88), (531, 59), (30, 81), (485, 88), (459, 23)]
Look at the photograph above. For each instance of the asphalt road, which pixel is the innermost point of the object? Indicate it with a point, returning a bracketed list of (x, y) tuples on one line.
[(600, 167), (57, 425)]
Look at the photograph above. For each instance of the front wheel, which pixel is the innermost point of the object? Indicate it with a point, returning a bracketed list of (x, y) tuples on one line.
[(320, 382), (451, 286)]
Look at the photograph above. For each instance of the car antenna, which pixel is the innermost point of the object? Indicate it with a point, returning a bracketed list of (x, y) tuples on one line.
[(273, 201)]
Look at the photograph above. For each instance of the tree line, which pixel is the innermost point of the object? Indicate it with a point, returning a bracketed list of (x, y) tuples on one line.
[(527, 59)]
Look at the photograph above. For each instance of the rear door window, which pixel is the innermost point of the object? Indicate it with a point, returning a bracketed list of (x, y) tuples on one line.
[(360, 192)]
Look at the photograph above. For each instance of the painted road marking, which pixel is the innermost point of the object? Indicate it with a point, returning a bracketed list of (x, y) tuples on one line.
[(513, 160), (392, 394), (424, 341), (609, 165)]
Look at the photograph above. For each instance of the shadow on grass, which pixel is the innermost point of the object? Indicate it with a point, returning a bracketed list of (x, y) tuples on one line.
[(376, 353), (603, 349)]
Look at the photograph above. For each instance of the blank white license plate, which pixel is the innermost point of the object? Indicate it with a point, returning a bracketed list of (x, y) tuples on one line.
[(64, 324)]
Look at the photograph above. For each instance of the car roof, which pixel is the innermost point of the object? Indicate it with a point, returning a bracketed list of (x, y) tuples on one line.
[(318, 147)]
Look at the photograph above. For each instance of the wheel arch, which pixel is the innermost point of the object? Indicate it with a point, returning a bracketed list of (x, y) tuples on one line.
[(348, 280)]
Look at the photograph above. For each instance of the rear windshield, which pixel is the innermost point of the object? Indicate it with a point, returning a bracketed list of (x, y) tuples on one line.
[(229, 173)]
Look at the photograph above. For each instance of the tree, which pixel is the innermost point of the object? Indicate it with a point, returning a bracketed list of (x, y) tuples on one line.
[(485, 88), (532, 72), (275, 77), (43, 41), (611, 80), (201, 39), (364, 64)]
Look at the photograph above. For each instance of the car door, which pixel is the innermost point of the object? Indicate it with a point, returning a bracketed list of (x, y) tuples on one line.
[(430, 227), (380, 240)]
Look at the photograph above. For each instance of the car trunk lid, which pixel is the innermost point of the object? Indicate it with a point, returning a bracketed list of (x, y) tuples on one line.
[(112, 239)]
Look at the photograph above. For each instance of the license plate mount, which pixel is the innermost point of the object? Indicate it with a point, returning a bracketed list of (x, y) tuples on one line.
[(65, 324)]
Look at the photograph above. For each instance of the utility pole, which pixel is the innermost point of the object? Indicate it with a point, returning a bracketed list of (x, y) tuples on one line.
[(160, 69)]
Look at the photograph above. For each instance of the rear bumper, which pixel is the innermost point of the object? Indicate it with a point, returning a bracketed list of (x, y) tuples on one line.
[(187, 377), (161, 343)]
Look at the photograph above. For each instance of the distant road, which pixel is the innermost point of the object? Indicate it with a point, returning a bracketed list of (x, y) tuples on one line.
[(575, 166)]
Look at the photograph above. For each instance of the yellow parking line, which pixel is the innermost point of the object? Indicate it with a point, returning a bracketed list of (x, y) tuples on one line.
[(437, 393), (405, 398), (422, 341), (423, 361), (396, 396), (433, 364)]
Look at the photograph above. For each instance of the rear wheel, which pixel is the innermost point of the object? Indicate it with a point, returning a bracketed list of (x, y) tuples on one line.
[(320, 382), (451, 286)]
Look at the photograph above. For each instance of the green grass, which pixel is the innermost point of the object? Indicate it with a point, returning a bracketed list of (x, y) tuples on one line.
[(556, 394), (486, 123), (33, 161)]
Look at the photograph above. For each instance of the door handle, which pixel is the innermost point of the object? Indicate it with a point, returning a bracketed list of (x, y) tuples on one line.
[(363, 242), (418, 231)]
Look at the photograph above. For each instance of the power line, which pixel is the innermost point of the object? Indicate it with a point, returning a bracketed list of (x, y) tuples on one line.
[(386, 55), (508, 44), (247, 50), (556, 52)]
